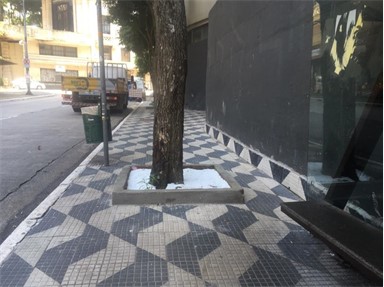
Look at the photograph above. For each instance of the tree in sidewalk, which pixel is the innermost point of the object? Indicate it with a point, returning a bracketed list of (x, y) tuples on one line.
[(171, 70), (137, 32), (167, 64)]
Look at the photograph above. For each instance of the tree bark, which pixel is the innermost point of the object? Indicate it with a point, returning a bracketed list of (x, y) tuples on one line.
[(171, 68)]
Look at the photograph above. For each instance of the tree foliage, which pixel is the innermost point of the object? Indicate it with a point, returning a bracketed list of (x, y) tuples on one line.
[(12, 11), (137, 29)]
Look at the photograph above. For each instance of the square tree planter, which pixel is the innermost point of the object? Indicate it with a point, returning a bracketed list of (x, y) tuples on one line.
[(233, 194)]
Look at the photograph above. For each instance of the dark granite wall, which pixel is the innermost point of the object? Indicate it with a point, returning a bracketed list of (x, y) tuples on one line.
[(258, 76), (196, 77)]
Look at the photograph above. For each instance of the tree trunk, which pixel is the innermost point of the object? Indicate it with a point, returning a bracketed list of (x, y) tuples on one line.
[(171, 67), (153, 73)]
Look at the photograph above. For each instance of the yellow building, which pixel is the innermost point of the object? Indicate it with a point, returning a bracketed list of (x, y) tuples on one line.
[(67, 40)]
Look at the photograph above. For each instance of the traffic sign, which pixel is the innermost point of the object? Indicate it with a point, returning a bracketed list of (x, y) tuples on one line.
[(26, 62)]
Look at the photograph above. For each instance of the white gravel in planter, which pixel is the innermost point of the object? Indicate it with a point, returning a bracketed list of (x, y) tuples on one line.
[(193, 179)]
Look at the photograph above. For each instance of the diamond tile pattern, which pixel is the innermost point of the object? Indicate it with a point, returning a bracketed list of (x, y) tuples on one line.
[(276, 170), (53, 218), (186, 251), (85, 241), (15, 271), (147, 268), (234, 221), (84, 211), (129, 228), (270, 270), (55, 261)]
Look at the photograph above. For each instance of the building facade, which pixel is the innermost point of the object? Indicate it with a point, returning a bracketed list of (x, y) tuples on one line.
[(295, 88), (65, 42), (197, 20)]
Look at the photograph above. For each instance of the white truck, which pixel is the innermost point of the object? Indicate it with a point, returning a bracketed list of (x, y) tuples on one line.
[(136, 89)]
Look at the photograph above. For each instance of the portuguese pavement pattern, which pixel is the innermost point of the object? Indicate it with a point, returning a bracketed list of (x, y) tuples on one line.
[(82, 240)]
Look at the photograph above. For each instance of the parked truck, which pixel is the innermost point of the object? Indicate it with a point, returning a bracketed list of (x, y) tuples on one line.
[(81, 92)]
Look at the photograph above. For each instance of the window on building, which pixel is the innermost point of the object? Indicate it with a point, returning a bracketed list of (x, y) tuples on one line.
[(106, 24), (198, 34), (62, 15), (107, 53), (60, 51), (52, 76), (125, 55)]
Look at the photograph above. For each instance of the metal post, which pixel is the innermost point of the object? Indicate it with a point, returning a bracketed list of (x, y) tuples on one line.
[(104, 114), (26, 57)]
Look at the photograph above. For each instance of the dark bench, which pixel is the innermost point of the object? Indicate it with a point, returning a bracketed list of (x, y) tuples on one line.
[(358, 243)]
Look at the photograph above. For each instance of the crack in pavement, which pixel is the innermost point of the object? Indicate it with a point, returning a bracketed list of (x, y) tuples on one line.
[(38, 171)]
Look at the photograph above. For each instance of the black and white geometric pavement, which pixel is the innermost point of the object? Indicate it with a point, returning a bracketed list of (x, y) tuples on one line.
[(85, 241)]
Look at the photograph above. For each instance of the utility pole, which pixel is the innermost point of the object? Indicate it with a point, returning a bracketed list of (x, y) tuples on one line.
[(104, 112), (26, 61)]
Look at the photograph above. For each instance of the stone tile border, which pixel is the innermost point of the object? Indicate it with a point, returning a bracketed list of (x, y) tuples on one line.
[(234, 194), (281, 173)]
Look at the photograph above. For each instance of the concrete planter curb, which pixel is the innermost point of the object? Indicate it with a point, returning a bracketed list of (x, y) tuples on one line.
[(234, 194)]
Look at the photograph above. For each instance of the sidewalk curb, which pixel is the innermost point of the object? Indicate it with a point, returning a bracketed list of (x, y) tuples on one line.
[(32, 219)]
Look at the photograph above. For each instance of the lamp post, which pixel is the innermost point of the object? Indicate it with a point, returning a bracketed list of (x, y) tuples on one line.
[(104, 115), (26, 61)]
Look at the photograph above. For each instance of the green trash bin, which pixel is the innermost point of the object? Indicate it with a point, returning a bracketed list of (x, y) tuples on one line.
[(93, 125)]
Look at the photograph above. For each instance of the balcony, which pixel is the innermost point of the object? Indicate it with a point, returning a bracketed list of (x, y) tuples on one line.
[(13, 32)]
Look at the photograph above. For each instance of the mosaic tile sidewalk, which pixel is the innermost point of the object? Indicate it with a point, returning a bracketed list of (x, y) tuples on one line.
[(85, 241)]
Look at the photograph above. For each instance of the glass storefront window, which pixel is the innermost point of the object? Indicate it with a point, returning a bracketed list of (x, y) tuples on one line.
[(345, 162)]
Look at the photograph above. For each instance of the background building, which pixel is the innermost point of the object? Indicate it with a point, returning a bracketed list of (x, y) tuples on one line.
[(65, 42)]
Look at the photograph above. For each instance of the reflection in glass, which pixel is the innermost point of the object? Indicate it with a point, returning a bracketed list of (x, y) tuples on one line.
[(345, 162)]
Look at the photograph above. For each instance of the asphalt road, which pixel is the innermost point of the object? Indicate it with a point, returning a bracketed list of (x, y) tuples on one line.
[(41, 143)]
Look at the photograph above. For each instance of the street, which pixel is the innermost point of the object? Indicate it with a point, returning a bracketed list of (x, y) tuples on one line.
[(41, 142)]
